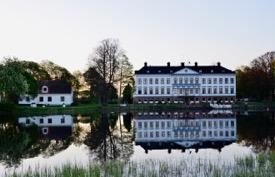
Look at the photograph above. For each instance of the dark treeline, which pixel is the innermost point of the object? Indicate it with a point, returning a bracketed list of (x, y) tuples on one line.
[(105, 80), (256, 81)]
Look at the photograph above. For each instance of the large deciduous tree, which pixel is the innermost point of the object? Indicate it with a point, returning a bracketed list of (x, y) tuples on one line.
[(257, 81), (105, 62), (13, 80)]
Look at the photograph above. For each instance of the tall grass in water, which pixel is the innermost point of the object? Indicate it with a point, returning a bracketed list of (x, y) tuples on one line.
[(262, 165)]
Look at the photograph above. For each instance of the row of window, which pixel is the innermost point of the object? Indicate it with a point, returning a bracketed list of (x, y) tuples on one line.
[(220, 124), (49, 121), (185, 80), (204, 90), (190, 134), (49, 99), (151, 124), (205, 124), (216, 90), (215, 80)]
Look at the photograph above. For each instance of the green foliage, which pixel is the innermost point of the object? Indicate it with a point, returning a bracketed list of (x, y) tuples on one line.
[(6, 106), (257, 81), (32, 84), (128, 94), (15, 142), (36, 70), (125, 75), (57, 72), (12, 79)]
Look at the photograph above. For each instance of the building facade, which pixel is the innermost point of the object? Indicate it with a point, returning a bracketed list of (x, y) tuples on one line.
[(183, 130), (184, 84), (51, 92)]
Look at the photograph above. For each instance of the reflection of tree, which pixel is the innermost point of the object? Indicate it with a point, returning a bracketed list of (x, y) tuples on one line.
[(18, 142), (127, 120), (257, 130), (109, 140)]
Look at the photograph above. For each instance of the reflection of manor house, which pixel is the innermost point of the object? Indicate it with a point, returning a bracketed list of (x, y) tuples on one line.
[(52, 92), (183, 83), (180, 130), (51, 127)]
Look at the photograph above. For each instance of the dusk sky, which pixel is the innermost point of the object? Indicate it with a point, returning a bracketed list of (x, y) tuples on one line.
[(157, 31)]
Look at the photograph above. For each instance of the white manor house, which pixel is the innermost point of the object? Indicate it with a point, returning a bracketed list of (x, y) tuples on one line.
[(184, 84)]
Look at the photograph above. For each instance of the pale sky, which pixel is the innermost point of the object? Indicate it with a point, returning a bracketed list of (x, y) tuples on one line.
[(157, 31)]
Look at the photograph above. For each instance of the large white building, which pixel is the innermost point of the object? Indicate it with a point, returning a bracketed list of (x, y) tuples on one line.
[(184, 130), (179, 84), (51, 92)]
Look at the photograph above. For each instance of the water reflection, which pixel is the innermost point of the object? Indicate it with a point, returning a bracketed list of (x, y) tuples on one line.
[(59, 139), (257, 130), (58, 127), (110, 137), (185, 130)]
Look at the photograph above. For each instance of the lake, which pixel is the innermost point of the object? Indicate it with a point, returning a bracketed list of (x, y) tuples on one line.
[(51, 141)]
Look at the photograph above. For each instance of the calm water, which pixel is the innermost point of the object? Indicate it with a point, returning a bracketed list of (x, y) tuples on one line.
[(50, 141)]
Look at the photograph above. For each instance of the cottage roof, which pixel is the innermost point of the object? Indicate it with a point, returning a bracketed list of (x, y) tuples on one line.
[(55, 86)]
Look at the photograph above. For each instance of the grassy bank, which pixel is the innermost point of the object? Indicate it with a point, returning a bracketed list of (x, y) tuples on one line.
[(85, 109), (262, 165)]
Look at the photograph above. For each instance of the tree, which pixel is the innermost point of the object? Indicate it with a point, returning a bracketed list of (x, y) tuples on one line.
[(105, 61), (265, 65), (14, 82), (260, 74), (96, 82), (125, 75), (57, 72), (128, 94), (36, 70)]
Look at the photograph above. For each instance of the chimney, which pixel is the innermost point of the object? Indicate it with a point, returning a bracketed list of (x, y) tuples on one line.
[(168, 64), (145, 64), (196, 64), (182, 64), (219, 63)]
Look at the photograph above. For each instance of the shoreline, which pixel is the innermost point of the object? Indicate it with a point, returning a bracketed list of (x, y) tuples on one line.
[(85, 109)]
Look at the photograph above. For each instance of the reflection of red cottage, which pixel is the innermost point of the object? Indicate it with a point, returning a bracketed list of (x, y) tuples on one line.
[(51, 92)]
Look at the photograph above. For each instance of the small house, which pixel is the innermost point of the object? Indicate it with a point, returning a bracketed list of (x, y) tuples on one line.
[(51, 92)]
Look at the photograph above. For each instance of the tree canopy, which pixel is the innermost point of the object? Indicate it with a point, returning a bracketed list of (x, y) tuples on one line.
[(57, 72), (257, 80), (14, 80), (109, 69)]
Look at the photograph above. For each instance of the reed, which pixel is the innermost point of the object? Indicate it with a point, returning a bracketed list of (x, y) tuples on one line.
[(261, 165)]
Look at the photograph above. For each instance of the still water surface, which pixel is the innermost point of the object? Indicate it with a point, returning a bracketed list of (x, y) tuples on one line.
[(51, 141)]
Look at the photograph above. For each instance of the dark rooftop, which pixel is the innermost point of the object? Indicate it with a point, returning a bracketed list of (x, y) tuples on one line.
[(211, 69), (55, 86)]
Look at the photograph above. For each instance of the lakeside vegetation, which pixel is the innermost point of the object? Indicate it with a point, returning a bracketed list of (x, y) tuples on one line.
[(84, 109), (261, 165)]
